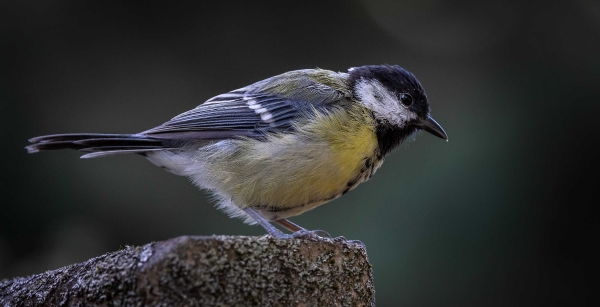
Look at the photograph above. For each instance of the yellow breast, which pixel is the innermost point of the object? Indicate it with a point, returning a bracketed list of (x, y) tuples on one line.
[(302, 169)]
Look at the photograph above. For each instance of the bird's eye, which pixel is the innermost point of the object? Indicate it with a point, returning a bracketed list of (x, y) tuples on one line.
[(406, 99)]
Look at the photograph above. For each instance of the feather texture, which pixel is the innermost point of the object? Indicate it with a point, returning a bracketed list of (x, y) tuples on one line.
[(239, 146), (271, 105), (109, 144), (294, 173), (268, 106), (280, 146)]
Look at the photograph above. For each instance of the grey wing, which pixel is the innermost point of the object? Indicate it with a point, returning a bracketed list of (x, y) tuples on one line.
[(250, 111)]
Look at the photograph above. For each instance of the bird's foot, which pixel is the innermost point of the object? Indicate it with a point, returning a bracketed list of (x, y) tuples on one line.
[(297, 231), (311, 234), (302, 234)]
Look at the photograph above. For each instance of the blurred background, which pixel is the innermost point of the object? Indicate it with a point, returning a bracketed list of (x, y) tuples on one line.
[(498, 216)]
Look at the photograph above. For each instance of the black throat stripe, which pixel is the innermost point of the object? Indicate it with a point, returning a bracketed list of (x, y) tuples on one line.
[(390, 136)]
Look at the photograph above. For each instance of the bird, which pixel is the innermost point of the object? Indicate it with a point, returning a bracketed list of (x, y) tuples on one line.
[(281, 146)]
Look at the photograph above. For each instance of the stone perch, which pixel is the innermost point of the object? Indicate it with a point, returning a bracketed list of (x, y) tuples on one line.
[(207, 271)]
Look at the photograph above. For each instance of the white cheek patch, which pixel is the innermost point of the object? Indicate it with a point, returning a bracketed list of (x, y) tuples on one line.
[(385, 105)]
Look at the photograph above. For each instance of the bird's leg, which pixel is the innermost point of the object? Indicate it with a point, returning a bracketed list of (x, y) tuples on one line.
[(266, 225), (287, 224), (299, 232)]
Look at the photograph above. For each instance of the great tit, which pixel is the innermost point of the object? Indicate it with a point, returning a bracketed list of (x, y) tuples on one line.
[(281, 146)]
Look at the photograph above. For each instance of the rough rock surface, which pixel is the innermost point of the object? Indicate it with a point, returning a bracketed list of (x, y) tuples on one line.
[(207, 271)]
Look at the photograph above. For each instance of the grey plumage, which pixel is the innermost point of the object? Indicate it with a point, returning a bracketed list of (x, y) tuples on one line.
[(267, 106)]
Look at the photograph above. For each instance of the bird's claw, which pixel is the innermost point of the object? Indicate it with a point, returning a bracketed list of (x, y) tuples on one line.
[(310, 234), (303, 234)]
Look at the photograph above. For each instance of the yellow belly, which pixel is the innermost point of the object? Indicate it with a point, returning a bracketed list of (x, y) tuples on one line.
[(298, 171)]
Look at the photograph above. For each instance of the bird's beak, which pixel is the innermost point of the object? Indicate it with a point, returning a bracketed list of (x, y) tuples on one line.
[(431, 126)]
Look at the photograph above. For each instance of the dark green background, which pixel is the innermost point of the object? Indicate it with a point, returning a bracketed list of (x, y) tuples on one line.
[(501, 215)]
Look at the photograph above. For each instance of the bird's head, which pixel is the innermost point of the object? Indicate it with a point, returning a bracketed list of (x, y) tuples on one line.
[(397, 100)]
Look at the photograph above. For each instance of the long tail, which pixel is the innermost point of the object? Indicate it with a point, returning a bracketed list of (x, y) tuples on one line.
[(99, 145)]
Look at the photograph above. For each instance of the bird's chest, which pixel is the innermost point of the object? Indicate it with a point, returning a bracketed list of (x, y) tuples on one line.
[(368, 169), (331, 184), (322, 161)]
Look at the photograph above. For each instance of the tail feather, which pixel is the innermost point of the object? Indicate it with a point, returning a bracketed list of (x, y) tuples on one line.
[(75, 137), (52, 146), (114, 148), (125, 141), (99, 154), (98, 145)]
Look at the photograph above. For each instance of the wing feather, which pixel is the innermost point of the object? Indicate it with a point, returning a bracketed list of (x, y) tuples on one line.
[(266, 106)]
